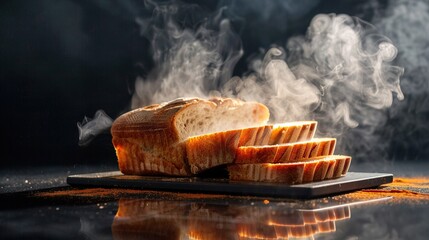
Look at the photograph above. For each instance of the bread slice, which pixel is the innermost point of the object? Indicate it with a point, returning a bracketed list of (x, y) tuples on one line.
[(292, 132), (316, 169), (214, 149), (284, 153), (150, 140)]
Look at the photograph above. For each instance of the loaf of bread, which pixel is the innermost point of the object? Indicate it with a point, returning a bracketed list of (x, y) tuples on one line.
[(185, 137), (315, 169), (287, 152), (151, 140)]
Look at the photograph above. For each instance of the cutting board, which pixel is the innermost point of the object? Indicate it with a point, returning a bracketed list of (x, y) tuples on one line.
[(351, 182)]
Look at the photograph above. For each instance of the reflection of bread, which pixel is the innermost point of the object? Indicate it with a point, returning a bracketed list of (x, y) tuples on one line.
[(315, 169), (307, 230), (160, 219), (148, 208), (147, 219), (272, 224), (256, 230), (149, 140), (306, 217), (207, 222)]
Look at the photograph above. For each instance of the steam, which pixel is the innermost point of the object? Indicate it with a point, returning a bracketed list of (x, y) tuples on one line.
[(188, 62), (406, 23), (276, 86), (350, 63), (340, 73), (89, 128)]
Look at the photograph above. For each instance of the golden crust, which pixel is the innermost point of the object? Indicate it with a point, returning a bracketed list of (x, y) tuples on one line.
[(152, 118)]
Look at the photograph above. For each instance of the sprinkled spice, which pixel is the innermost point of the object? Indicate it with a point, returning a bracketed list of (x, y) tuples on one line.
[(420, 183), (414, 190), (402, 190), (117, 193)]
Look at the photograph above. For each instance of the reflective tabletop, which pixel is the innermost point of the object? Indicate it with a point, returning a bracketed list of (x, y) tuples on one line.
[(399, 210)]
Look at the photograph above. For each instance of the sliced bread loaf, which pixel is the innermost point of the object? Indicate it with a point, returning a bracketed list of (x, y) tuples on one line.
[(214, 149)]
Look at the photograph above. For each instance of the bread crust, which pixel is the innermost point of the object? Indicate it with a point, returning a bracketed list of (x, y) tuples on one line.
[(153, 119)]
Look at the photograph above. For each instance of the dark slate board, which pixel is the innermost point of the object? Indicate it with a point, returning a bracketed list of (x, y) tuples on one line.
[(351, 182)]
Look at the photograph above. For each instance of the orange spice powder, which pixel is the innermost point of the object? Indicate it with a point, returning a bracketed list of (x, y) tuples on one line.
[(402, 190), (90, 192), (422, 183), (124, 192)]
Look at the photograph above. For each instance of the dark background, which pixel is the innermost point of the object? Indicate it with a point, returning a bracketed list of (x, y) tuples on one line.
[(63, 60)]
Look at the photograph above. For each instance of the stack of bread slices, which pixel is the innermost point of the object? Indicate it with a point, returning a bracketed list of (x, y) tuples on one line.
[(187, 137)]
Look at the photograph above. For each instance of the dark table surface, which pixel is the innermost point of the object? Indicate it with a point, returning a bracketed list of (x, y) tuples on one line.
[(38, 203)]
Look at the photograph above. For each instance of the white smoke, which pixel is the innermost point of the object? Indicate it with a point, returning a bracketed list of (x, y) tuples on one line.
[(89, 128), (188, 62), (406, 23), (341, 73), (276, 86), (350, 62)]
